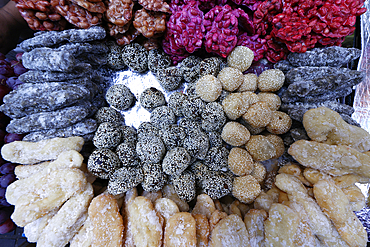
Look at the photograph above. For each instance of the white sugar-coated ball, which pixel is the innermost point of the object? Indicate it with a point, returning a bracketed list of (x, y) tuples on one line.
[(240, 58), (208, 88)]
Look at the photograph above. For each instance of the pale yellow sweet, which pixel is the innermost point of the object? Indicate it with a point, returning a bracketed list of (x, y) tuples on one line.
[(259, 171), (241, 58), (204, 205), (335, 204), (129, 198), (202, 229), (33, 230), (208, 88), (258, 114), (168, 191), (273, 100), (230, 78), (325, 125), (254, 220), (235, 134), (240, 162), (249, 83), (234, 106), (355, 197), (106, 220), (180, 231), (23, 152), (280, 123), (278, 143), (271, 80), (246, 188), (260, 148), (166, 207), (146, 223), (83, 237), (230, 231)]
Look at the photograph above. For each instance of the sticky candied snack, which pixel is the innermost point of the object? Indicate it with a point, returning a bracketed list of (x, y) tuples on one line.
[(271, 80), (249, 83), (193, 108), (146, 223), (120, 97), (327, 126), (107, 136), (170, 78), (151, 98), (124, 179), (208, 88), (184, 185), (135, 57), (103, 162), (272, 99), (154, 178), (197, 144), (129, 134), (125, 35), (162, 116), (230, 231), (202, 229), (260, 147), (180, 230), (246, 188), (176, 161), (258, 114), (149, 24), (176, 102), (216, 158), (150, 149), (335, 204), (106, 220), (280, 123), (235, 134), (213, 117), (23, 152), (93, 6), (170, 193), (166, 207), (146, 129), (217, 184), (204, 206), (234, 105), (108, 114), (240, 162), (241, 58), (119, 12), (230, 78), (126, 152), (278, 142), (172, 136), (259, 172), (157, 60), (155, 5)]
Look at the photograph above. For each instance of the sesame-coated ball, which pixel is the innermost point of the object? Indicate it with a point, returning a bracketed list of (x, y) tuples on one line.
[(280, 123), (135, 57), (162, 116), (127, 153), (172, 136), (197, 144), (258, 115), (241, 58), (146, 129), (151, 98), (190, 125), (216, 158), (240, 162), (213, 117), (158, 59), (176, 102), (193, 108), (176, 161), (124, 179), (154, 178), (271, 80), (249, 83), (150, 149), (278, 142), (215, 139), (273, 100), (128, 134), (234, 106), (103, 162), (185, 185), (217, 185), (246, 189), (260, 147), (120, 97), (108, 135), (230, 78), (190, 68), (210, 66), (259, 171), (235, 134), (170, 78), (108, 114), (208, 88)]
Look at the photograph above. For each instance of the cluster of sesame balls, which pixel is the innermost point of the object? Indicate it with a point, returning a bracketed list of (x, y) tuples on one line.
[(199, 141)]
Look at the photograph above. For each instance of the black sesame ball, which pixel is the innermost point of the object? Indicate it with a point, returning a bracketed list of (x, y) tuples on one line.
[(151, 98), (176, 161), (135, 57), (190, 125), (216, 158), (120, 97), (146, 129), (210, 66), (172, 136), (213, 117), (108, 114), (218, 185), (170, 78), (157, 59), (103, 162), (176, 102), (223, 96), (193, 108), (162, 116), (128, 134), (150, 149), (197, 144), (114, 56), (190, 68), (215, 139), (108, 135), (126, 152), (154, 177), (125, 179), (185, 185)]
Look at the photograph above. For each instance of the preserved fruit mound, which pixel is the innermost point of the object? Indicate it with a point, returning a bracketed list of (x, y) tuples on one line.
[(185, 30)]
